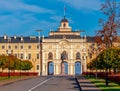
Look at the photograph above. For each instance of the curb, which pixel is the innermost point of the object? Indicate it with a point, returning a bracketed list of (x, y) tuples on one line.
[(78, 84)]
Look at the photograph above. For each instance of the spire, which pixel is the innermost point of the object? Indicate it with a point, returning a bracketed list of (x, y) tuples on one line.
[(64, 11)]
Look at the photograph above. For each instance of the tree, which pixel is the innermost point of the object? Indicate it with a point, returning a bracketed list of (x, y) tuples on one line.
[(11, 60), (13, 63), (113, 59), (3, 62), (26, 65), (111, 25)]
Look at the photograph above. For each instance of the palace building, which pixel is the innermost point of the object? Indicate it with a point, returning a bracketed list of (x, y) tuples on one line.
[(63, 52)]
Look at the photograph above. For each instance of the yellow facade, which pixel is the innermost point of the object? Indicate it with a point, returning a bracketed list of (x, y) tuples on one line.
[(58, 42)]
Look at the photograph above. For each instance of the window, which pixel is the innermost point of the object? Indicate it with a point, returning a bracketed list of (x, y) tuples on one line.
[(84, 56), (37, 46), (15, 46), (29, 56), (38, 56), (50, 56), (15, 55), (9, 47), (3, 47), (77, 55), (37, 67), (29, 47), (21, 56), (21, 46), (64, 25)]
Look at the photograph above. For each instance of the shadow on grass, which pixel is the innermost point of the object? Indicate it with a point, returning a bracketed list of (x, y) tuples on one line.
[(101, 84)]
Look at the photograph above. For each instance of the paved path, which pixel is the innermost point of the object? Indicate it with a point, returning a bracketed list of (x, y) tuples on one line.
[(86, 85), (49, 83)]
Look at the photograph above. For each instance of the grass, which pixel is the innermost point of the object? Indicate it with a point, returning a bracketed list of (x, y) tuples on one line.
[(9, 78), (101, 84)]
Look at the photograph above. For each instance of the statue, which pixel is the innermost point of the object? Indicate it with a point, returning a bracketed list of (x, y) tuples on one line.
[(63, 57)]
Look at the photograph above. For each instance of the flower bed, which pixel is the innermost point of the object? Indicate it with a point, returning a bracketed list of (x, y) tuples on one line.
[(111, 75), (4, 74)]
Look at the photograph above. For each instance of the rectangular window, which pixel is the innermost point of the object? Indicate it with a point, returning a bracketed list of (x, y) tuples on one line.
[(21, 46), (38, 56), (29, 47), (38, 46), (15, 46), (3, 47), (9, 47), (37, 67), (21, 56), (29, 56)]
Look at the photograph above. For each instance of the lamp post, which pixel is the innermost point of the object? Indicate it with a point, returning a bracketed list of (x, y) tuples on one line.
[(20, 67), (9, 52), (107, 42), (90, 56), (9, 68), (22, 41), (39, 52), (98, 46)]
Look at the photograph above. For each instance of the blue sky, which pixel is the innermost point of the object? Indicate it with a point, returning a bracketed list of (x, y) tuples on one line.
[(23, 17)]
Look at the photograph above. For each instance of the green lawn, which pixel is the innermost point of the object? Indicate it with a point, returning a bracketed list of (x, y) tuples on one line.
[(101, 84), (7, 78)]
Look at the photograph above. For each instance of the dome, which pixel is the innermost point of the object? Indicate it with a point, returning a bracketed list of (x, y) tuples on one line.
[(64, 20)]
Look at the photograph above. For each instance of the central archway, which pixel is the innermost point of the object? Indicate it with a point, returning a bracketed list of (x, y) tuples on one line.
[(78, 68), (50, 68)]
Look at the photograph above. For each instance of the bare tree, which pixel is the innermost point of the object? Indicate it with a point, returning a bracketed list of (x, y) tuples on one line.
[(111, 23)]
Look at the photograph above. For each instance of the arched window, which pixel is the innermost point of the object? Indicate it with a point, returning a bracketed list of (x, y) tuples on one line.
[(64, 25), (64, 55), (77, 55), (50, 56)]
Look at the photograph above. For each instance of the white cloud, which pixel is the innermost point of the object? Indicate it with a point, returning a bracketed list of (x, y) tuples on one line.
[(25, 25), (83, 4), (16, 5)]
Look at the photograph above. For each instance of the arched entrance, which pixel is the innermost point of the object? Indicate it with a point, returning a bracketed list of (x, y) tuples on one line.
[(78, 68), (66, 68), (50, 68)]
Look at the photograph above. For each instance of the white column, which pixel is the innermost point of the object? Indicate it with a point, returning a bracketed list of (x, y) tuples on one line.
[(81, 61), (68, 68), (57, 69), (71, 53), (25, 55), (43, 73), (46, 69), (54, 68), (85, 66), (57, 53), (81, 66), (71, 69)]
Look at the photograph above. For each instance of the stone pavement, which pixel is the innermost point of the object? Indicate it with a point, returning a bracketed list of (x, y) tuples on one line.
[(86, 85)]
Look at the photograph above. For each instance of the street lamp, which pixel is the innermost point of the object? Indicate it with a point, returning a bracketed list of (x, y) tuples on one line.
[(9, 52), (98, 46), (90, 56), (39, 51), (103, 38), (22, 41)]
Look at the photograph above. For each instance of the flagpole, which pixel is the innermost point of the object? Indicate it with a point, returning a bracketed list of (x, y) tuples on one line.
[(64, 11)]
